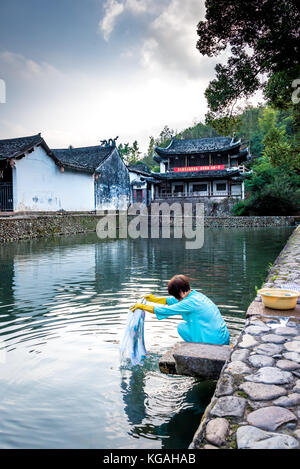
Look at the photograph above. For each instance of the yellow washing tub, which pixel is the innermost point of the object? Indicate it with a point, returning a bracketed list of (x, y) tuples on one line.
[(278, 298)]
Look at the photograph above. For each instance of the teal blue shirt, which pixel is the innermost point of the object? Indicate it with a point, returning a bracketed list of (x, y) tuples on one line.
[(202, 316)]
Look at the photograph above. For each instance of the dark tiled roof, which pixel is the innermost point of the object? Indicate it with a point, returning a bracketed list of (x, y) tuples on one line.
[(198, 145), (14, 147), (86, 159), (152, 179), (198, 174), (140, 169)]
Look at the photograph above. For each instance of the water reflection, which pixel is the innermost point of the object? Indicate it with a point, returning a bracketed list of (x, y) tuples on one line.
[(63, 310), (163, 408)]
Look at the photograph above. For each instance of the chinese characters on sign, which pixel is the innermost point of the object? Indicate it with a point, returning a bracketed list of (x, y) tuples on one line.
[(199, 168)]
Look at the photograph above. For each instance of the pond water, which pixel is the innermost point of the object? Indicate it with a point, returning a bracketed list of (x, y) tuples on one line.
[(63, 309)]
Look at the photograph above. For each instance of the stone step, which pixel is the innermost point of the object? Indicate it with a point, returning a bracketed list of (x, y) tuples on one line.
[(197, 359)]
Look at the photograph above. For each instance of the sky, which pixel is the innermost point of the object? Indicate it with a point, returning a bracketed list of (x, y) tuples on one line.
[(81, 71)]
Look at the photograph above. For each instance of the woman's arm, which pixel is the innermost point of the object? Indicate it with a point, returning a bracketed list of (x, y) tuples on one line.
[(178, 307), (169, 300)]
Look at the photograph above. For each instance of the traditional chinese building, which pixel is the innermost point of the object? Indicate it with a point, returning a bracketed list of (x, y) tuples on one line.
[(206, 167), (35, 178), (142, 183)]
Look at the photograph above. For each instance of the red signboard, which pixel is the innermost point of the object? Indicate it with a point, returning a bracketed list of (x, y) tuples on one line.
[(199, 168)]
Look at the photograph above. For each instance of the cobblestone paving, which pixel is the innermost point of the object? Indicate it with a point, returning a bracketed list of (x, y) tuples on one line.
[(256, 404)]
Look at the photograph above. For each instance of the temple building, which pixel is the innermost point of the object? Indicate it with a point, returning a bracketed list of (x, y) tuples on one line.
[(206, 167)]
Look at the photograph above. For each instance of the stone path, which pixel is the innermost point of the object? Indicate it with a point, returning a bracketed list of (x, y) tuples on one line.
[(256, 404)]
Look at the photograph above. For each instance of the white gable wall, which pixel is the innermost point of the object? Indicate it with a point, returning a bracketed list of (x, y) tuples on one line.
[(39, 185)]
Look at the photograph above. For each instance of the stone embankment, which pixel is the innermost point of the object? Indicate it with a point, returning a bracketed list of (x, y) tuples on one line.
[(36, 226), (249, 222), (256, 404), (29, 226)]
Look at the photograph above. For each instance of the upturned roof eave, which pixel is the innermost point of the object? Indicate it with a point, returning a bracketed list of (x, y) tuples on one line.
[(166, 152), (25, 149)]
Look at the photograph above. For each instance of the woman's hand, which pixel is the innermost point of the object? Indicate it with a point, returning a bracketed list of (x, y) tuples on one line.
[(155, 299), (148, 308)]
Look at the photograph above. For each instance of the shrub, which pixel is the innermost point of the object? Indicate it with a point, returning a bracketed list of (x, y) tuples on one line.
[(270, 191)]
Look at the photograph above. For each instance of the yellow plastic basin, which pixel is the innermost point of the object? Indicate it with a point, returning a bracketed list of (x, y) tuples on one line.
[(278, 298)]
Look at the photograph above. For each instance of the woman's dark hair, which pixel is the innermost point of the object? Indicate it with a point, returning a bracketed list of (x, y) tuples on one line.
[(177, 284)]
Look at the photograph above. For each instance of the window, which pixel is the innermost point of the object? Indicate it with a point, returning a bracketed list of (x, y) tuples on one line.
[(199, 187), (139, 195), (178, 188), (221, 186), (220, 159), (236, 189)]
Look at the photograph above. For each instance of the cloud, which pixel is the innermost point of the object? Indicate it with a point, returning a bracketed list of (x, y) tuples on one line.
[(171, 40), (137, 6), (113, 9), (26, 68), (161, 81), (80, 108)]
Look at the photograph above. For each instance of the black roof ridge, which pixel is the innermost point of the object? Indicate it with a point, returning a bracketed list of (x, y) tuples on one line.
[(84, 148), (86, 165), (197, 145), (20, 138), (29, 142)]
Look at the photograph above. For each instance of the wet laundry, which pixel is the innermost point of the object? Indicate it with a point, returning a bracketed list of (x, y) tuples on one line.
[(133, 342)]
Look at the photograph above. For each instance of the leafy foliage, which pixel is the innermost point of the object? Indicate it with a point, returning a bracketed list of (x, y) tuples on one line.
[(271, 191), (129, 154), (263, 39)]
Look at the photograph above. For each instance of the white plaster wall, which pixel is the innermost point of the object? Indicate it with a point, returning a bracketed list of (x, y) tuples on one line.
[(135, 177), (162, 167), (39, 185)]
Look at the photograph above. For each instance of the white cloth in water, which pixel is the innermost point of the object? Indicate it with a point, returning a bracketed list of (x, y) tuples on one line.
[(133, 343)]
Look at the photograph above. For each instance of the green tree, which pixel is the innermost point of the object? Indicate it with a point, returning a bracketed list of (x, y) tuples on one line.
[(151, 147), (129, 154), (224, 125), (280, 151), (135, 153), (148, 157), (198, 130), (165, 137), (249, 130), (278, 139), (124, 151), (263, 39), (270, 191)]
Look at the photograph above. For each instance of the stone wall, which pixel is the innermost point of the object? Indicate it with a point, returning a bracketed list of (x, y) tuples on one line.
[(213, 207), (112, 188), (256, 404), (34, 226), (239, 222), (25, 227)]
